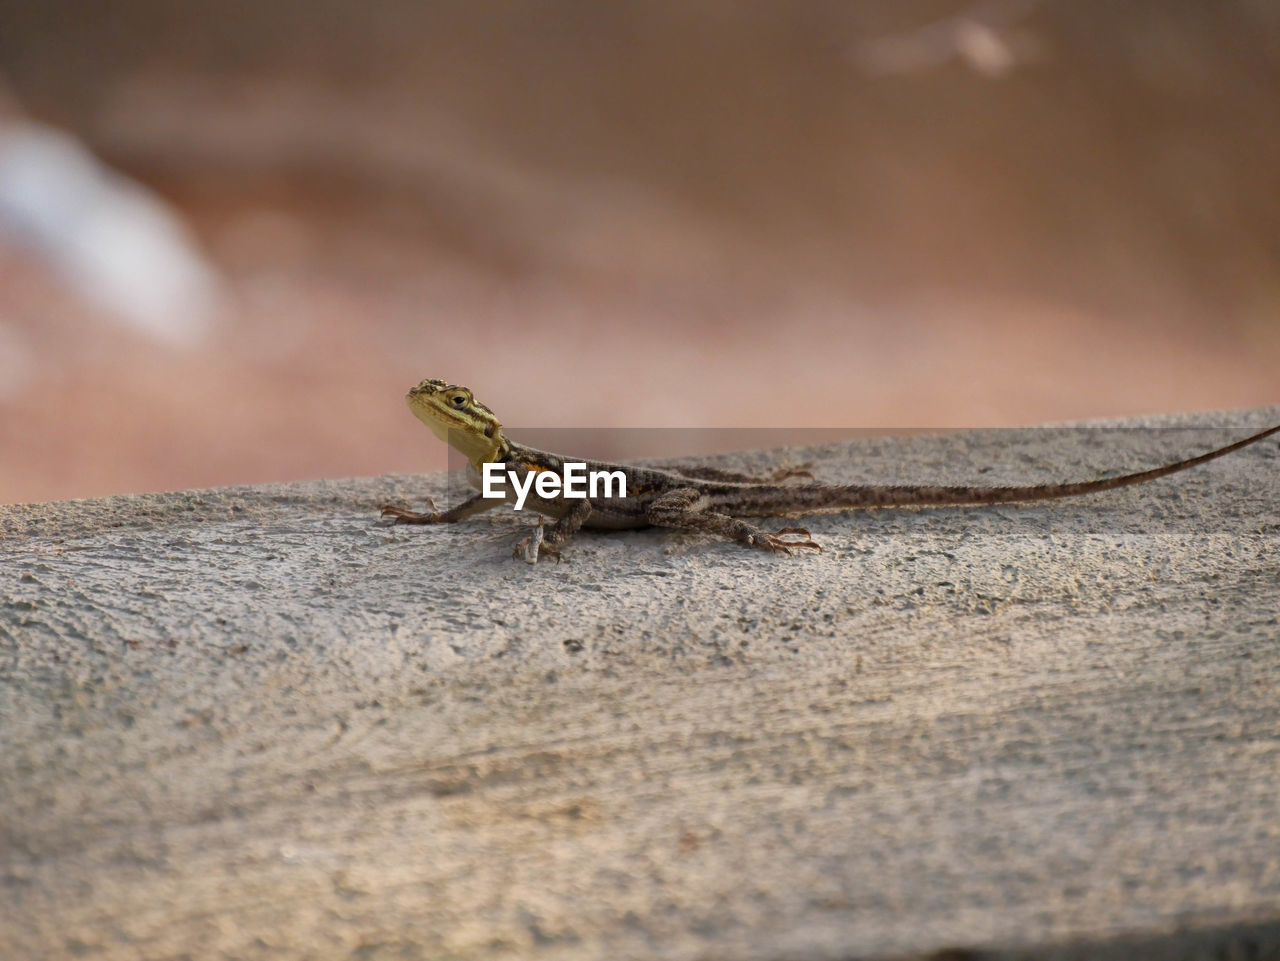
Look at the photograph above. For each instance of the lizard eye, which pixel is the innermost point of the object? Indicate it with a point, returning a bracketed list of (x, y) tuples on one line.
[(458, 401)]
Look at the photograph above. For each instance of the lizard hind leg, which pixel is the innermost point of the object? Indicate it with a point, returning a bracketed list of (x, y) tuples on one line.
[(786, 540), (685, 509)]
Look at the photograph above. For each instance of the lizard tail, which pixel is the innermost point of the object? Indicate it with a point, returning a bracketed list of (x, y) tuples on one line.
[(855, 495)]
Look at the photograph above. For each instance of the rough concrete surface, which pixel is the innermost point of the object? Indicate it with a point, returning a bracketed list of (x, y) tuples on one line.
[(250, 723)]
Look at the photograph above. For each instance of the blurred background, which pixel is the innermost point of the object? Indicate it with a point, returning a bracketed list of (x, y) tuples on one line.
[(232, 236)]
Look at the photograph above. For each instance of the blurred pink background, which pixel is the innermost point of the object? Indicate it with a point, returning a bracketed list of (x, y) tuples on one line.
[(669, 213)]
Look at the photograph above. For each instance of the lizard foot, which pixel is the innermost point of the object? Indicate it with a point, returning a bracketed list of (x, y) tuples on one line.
[(534, 545), (785, 540), (398, 515)]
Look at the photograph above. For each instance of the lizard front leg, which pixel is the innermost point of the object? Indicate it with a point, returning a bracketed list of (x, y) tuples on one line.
[(685, 508), (468, 508), (549, 542)]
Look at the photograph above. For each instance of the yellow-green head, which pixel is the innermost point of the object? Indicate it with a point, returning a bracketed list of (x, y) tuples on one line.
[(458, 419)]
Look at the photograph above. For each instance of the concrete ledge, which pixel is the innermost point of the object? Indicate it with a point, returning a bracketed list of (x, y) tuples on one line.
[(249, 723)]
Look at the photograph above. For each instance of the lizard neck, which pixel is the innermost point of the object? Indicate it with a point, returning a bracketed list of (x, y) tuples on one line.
[(480, 450)]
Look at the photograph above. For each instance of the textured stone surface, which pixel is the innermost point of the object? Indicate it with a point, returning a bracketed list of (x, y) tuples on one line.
[(250, 723)]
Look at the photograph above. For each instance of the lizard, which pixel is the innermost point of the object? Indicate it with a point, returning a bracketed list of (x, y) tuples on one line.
[(703, 499)]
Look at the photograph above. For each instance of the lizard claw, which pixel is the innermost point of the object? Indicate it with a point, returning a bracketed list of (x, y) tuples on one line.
[(786, 540), (525, 550), (391, 514), (533, 545)]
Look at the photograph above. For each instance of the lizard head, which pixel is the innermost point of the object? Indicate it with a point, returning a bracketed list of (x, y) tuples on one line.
[(458, 419)]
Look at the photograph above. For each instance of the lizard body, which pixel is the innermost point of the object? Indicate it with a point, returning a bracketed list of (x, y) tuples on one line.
[(696, 498)]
